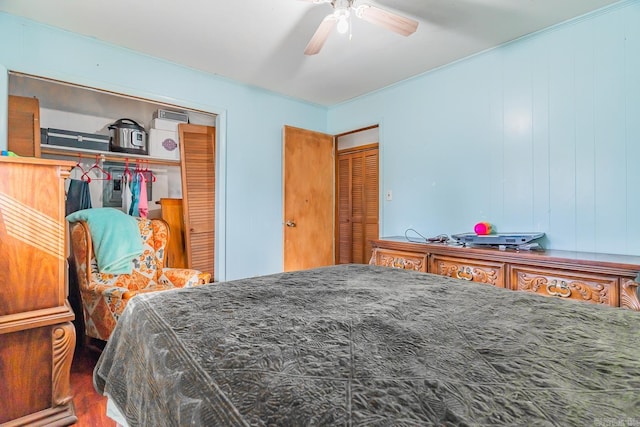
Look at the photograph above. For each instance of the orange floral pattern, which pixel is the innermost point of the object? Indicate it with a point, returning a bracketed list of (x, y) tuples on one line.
[(104, 296)]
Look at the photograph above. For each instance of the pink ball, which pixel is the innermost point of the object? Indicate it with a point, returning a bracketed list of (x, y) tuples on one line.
[(482, 228)]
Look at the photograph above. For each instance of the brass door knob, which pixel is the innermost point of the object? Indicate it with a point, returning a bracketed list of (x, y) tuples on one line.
[(290, 223)]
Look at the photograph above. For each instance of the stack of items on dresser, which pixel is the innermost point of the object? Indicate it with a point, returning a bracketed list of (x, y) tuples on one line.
[(163, 134)]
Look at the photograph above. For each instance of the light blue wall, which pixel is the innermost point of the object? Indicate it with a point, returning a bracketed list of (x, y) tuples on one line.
[(249, 208), (542, 134), (4, 88)]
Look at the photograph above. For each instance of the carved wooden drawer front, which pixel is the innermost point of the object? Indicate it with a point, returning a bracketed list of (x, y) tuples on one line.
[(629, 294), (398, 259), (491, 273), (581, 287)]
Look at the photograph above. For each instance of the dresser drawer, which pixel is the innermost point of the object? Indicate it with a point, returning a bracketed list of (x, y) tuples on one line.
[(594, 289), (399, 259), (629, 294), (491, 273)]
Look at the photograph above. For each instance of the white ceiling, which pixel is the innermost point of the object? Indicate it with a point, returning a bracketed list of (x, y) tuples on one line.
[(261, 42)]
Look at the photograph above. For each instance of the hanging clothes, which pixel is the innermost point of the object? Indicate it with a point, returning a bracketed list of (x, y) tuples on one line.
[(78, 192), (126, 193), (78, 196), (143, 205), (135, 196)]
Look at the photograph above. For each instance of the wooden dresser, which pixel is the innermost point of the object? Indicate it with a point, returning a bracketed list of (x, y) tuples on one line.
[(37, 338), (584, 276)]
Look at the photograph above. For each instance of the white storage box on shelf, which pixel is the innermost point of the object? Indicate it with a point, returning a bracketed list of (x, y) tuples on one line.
[(163, 144), (165, 124)]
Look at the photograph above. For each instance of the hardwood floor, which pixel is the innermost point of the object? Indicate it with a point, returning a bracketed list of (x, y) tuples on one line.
[(90, 406)]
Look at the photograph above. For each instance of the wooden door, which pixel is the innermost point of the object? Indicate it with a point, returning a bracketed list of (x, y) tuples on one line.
[(24, 126), (308, 164), (197, 158), (357, 210)]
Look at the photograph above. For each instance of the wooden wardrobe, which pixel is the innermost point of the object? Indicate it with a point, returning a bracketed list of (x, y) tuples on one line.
[(37, 338)]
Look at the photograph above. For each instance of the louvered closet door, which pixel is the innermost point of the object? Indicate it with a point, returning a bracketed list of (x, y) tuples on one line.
[(197, 153), (357, 204)]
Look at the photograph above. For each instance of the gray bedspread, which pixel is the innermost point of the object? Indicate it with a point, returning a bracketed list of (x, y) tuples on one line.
[(366, 345)]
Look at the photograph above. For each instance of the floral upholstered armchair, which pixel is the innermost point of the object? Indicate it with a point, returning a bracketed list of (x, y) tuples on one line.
[(104, 296)]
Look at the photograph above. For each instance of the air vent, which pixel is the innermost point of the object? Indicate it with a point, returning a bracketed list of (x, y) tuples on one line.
[(172, 115)]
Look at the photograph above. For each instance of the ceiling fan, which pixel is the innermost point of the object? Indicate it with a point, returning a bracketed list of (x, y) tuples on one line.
[(340, 19)]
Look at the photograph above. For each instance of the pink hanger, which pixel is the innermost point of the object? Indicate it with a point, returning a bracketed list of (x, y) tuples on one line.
[(127, 172), (149, 174), (103, 174), (79, 166)]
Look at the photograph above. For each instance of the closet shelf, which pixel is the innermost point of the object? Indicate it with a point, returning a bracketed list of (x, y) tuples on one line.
[(108, 156)]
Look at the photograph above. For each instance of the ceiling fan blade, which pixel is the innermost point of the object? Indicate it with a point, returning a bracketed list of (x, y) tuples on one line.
[(321, 35), (386, 19)]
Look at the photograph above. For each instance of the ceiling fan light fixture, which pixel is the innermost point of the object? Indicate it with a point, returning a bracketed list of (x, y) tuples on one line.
[(341, 19), (341, 14), (343, 25)]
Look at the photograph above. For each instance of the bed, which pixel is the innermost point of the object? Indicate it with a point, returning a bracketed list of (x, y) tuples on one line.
[(368, 345)]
